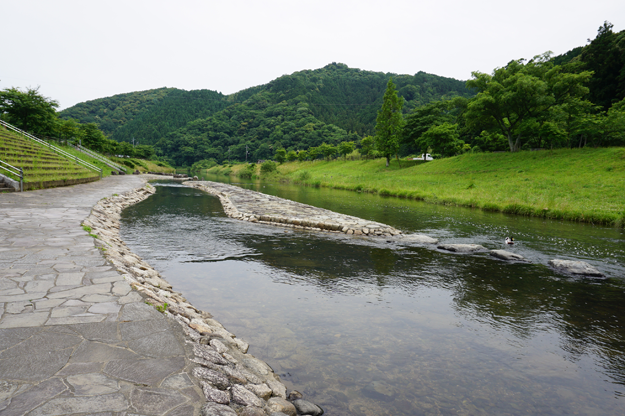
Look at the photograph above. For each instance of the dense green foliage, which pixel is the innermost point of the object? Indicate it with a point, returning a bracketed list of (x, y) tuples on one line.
[(174, 111), (255, 123), (111, 113), (542, 103), (29, 110)]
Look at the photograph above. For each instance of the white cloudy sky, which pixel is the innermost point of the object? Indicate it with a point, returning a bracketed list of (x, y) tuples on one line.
[(79, 50)]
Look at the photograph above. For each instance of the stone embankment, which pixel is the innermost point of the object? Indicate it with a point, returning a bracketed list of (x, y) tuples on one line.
[(233, 381), (253, 206)]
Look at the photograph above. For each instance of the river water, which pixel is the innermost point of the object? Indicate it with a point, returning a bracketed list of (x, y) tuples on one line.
[(372, 328)]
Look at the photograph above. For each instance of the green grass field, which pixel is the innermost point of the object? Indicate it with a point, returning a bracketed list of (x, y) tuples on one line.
[(585, 185)]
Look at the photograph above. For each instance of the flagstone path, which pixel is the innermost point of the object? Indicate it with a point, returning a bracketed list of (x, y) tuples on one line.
[(74, 338)]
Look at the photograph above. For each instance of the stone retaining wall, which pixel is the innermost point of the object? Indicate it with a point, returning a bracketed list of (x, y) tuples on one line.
[(233, 381), (248, 205)]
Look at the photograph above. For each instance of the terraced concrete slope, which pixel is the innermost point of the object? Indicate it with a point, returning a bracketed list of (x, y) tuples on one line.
[(42, 167)]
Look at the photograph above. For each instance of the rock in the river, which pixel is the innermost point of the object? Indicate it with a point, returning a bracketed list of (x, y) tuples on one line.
[(304, 407), (215, 409), (506, 255), (294, 395), (416, 239), (379, 391), (277, 388), (278, 404), (575, 267), (462, 248)]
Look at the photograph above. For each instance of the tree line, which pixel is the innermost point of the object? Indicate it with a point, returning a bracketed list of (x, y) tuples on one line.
[(575, 100)]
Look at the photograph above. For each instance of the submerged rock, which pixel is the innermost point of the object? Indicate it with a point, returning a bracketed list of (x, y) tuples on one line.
[(304, 407), (417, 239), (278, 404), (575, 267), (462, 248), (506, 255)]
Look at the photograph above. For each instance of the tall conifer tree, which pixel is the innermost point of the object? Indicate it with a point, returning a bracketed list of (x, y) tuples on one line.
[(389, 123)]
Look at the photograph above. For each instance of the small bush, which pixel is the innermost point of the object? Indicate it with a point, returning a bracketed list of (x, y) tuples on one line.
[(268, 167), (248, 172), (304, 176)]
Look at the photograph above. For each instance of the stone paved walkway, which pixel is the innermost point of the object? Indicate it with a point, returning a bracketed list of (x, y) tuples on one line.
[(74, 338)]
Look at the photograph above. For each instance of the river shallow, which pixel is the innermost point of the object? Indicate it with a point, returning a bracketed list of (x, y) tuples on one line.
[(372, 328)]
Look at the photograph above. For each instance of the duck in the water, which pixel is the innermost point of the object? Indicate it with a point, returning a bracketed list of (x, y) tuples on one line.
[(509, 240)]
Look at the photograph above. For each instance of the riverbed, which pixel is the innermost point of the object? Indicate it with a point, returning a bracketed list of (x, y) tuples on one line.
[(366, 327)]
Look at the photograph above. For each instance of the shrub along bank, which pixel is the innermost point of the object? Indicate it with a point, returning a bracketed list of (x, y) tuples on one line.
[(572, 184)]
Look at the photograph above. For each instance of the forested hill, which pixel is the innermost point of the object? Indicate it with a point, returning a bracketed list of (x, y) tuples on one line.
[(147, 115), (111, 113), (329, 104), (350, 98)]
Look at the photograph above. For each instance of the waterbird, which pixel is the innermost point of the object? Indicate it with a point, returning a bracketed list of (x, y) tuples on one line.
[(509, 240)]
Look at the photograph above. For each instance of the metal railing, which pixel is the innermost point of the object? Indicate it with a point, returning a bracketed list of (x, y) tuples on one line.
[(101, 158), (17, 172), (55, 149)]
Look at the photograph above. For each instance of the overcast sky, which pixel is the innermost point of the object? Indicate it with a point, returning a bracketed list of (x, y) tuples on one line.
[(80, 50)]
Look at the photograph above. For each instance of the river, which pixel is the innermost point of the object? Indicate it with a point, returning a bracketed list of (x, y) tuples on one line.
[(373, 328)]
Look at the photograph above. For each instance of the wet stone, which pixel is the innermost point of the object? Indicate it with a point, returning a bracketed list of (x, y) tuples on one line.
[(507, 255), (278, 404), (462, 248), (305, 407), (575, 267)]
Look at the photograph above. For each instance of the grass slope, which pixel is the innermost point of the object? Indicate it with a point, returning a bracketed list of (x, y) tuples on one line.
[(573, 184)]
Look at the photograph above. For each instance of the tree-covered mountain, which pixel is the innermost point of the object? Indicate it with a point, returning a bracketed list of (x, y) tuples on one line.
[(331, 104), (111, 113), (350, 98), (174, 111)]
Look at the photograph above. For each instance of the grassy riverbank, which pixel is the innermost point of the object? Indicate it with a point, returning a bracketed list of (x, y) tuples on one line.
[(573, 184)]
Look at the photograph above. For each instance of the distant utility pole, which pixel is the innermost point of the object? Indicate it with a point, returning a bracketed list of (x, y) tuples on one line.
[(245, 153), (133, 142)]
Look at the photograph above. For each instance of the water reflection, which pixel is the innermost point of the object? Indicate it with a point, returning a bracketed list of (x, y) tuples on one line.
[(369, 328)]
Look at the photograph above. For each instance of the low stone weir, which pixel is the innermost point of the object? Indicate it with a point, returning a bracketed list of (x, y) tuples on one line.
[(233, 381), (248, 205)]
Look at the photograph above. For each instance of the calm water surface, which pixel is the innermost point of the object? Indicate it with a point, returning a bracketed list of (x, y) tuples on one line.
[(372, 328)]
